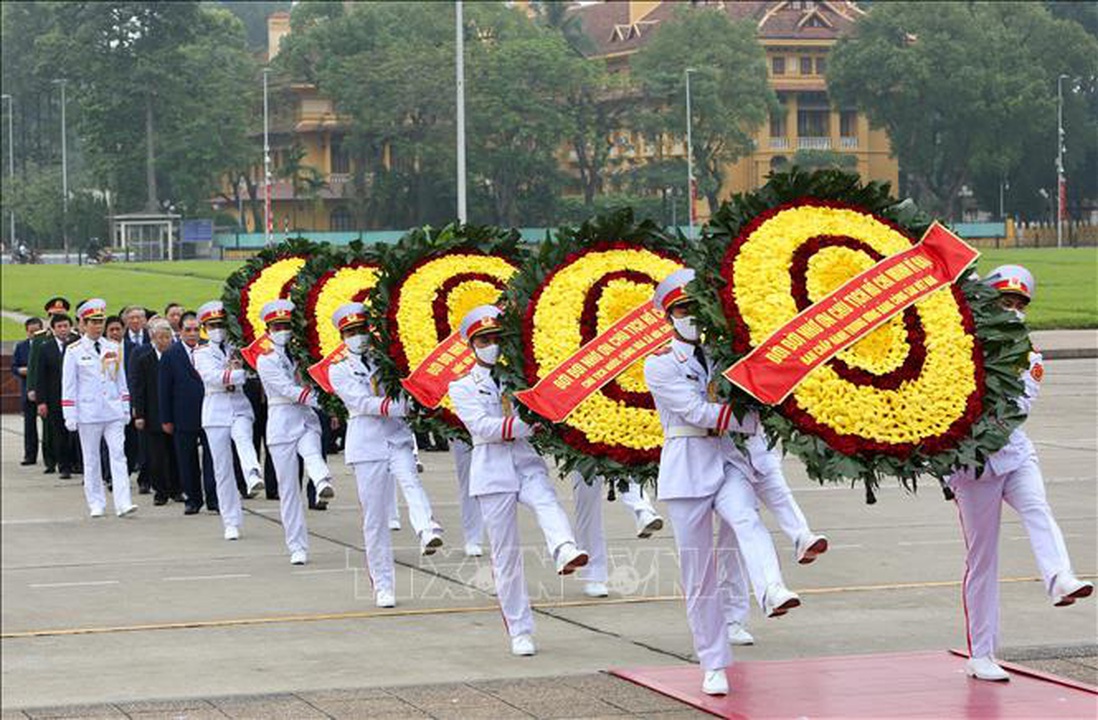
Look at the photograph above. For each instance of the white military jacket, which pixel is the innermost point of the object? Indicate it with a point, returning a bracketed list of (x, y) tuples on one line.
[(289, 404), (374, 425), (696, 446), (1019, 448), (220, 404), (501, 456), (93, 384)]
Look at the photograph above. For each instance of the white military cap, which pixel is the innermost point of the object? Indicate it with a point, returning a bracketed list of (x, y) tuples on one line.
[(93, 309), (1013, 279), (672, 291), (350, 315), (213, 310), (277, 310), (479, 320)]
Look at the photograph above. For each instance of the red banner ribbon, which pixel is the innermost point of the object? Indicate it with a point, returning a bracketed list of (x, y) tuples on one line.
[(319, 371), (633, 337), (430, 381), (846, 315), (260, 346)]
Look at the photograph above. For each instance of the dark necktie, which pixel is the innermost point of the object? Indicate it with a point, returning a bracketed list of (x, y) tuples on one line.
[(96, 343), (221, 347), (699, 354)]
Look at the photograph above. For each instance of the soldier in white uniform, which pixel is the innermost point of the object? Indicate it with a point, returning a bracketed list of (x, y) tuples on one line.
[(589, 499), (1011, 475), (701, 474), (506, 471), (227, 417), (378, 448), (472, 523), (763, 466), (293, 428), (95, 402)]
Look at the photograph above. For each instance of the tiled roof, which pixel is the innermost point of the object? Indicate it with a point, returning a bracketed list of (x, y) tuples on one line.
[(608, 26)]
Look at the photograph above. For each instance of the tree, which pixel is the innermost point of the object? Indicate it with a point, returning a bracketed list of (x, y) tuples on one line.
[(963, 89), (730, 95)]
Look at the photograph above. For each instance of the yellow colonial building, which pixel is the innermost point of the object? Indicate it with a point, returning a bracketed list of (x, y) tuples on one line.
[(306, 133)]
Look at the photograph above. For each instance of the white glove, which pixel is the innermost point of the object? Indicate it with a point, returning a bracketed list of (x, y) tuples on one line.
[(70, 425)]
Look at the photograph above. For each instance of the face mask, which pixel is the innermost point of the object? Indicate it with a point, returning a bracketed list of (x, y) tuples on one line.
[(356, 344), (281, 337), (488, 354), (685, 327), (1019, 314), (216, 335)]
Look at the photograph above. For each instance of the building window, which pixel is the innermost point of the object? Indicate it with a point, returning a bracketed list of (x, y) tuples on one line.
[(341, 159), (341, 220), (821, 66), (813, 115), (778, 127), (848, 123), (777, 66), (806, 66)]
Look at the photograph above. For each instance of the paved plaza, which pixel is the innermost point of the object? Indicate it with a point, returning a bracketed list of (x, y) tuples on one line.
[(122, 616)]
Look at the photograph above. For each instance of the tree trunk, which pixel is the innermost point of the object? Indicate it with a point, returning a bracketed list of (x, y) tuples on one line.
[(152, 203)]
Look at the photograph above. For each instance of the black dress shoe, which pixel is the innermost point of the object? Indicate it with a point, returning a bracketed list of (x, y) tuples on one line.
[(160, 501), (319, 505), (143, 489), (27, 462), (49, 470), (65, 475), (178, 497), (192, 509)]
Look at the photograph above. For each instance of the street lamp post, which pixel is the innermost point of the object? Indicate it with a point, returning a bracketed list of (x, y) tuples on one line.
[(1061, 189), (266, 162), (689, 155), (11, 165), (64, 172), (459, 36)]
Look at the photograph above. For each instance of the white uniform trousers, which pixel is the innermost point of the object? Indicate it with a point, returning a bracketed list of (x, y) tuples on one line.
[(472, 523), (692, 522), (773, 490), (291, 504), (979, 502), (500, 513), (222, 439), (94, 493), (590, 532), (402, 466), (375, 491)]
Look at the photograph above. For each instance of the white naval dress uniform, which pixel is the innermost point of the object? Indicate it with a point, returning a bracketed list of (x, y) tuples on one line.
[(227, 419), (701, 473), (1011, 475), (505, 470), (292, 429), (95, 398), (763, 467), (472, 523), (589, 499), (378, 448)]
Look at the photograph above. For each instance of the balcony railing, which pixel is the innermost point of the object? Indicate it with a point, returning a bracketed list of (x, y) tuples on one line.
[(813, 143), (848, 143), (779, 143)]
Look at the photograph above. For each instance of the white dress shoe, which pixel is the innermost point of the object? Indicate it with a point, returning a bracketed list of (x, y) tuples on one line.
[(715, 683), (570, 558), (596, 590), (324, 490), (1067, 588), (394, 525), (255, 485), (473, 550), (429, 542), (738, 635), (779, 600), (232, 533), (97, 512), (985, 669), (648, 523), (299, 557), (809, 547), (127, 511), (523, 645), (385, 599)]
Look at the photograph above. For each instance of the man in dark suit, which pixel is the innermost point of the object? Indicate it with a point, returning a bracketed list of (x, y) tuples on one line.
[(20, 359), (181, 393), (145, 400), (47, 391), (135, 337), (54, 306)]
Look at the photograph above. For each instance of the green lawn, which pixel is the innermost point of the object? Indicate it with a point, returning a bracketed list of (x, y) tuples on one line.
[(1067, 285)]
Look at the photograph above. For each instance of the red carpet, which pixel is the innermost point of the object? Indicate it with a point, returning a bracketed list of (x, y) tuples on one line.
[(892, 685)]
